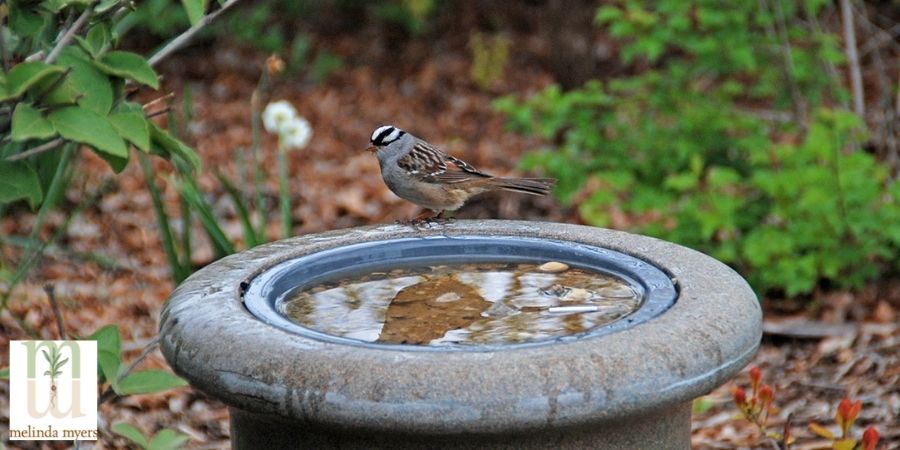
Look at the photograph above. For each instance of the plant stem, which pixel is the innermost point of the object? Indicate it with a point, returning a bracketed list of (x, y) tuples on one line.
[(70, 33), (178, 131), (179, 272), (856, 85), (182, 39), (797, 99), (256, 131), (60, 325), (45, 147), (109, 392), (36, 254), (57, 186), (3, 61), (284, 194)]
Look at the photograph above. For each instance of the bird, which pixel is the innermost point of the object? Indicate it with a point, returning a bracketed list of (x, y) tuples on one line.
[(421, 173)]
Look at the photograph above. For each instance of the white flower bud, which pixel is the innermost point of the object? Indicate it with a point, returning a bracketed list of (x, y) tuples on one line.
[(296, 133), (277, 114)]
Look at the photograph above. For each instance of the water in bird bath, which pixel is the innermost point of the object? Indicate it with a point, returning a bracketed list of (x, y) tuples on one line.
[(465, 304)]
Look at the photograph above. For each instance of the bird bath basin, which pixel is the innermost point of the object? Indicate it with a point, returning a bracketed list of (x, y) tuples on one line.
[(303, 361)]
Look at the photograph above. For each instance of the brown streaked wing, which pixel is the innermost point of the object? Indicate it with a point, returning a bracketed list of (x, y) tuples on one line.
[(465, 167), (423, 160)]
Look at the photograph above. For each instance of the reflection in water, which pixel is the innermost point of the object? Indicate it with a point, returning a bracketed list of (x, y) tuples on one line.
[(463, 304)]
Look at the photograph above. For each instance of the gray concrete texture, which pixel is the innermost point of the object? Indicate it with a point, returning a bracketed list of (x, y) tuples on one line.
[(606, 391)]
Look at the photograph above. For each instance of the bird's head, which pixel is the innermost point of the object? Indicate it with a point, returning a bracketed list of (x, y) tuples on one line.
[(384, 136)]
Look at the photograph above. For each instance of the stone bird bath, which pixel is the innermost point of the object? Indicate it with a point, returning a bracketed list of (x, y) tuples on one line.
[(625, 385)]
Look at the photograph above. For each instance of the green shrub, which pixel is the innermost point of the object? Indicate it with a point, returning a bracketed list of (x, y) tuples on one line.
[(681, 151)]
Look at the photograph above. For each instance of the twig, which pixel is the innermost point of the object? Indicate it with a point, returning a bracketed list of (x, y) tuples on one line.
[(789, 71), (159, 113), (884, 37), (833, 75), (853, 58), (3, 54), (109, 392), (70, 33), (185, 37), (47, 146), (164, 98), (60, 325)]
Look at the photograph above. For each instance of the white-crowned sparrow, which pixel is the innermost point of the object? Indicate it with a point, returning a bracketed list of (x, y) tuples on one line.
[(417, 171)]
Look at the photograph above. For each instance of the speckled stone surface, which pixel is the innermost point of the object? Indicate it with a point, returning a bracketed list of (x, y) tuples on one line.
[(630, 389)]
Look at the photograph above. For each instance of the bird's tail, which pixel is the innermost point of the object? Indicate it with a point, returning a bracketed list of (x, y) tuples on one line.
[(533, 186)]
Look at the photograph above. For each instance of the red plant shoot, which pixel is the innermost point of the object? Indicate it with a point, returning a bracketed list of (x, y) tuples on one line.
[(870, 438)]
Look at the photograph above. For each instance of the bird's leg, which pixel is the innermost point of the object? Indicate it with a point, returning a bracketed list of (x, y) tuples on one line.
[(425, 218), (442, 217)]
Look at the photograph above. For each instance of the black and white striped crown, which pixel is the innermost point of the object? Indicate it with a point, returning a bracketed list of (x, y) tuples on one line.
[(386, 134)]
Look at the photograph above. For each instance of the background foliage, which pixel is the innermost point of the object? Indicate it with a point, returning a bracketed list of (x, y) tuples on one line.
[(689, 151)]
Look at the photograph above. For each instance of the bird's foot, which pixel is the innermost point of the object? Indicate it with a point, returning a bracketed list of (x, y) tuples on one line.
[(426, 220)]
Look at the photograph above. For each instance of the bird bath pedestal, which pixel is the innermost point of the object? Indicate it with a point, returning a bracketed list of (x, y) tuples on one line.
[(626, 385)]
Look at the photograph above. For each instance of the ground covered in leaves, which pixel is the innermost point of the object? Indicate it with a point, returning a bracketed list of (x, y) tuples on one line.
[(109, 267)]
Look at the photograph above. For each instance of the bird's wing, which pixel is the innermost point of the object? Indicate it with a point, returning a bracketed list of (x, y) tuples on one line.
[(430, 164), (423, 161)]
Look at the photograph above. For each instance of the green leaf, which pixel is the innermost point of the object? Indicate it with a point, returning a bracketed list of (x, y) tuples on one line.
[(28, 123), (131, 432), (106, 5), (86, 126), (148, 382), (54, 5), (23, 21), (25, 75), (108, 348), (171, 146), (702, 405), (168, 439), (191, 194), (19, 181), (55, 92), (117, 163), (4, 373), (93, 84), (133, 127), (194, 10), (844, 444), (109, 363), (252, 238), (128, 65), (107, 339), (97, 40)]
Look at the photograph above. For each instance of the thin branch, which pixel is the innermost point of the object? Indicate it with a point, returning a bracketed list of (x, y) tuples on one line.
[(884, 37), (3, 54), (45, 147), (833, 74), (884, 122), (789, 72), (70, 33), (164, 98), (159, 113), (60, 325), (182, 39), (853, 58), (109, 392)]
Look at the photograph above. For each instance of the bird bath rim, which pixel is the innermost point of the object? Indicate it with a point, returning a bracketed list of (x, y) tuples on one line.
[(265, 290)]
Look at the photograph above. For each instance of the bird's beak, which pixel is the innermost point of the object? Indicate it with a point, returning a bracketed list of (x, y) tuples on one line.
[(372, 149)]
